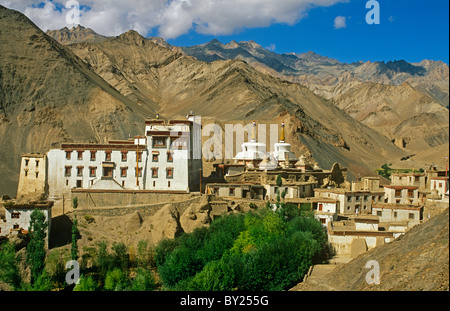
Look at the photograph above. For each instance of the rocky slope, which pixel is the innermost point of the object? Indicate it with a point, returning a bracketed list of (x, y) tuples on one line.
[(417, 261), (48, 96)]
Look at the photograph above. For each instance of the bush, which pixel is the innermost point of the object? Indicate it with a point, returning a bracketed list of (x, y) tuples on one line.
[(144, 281), (116, 280), (86, 284)]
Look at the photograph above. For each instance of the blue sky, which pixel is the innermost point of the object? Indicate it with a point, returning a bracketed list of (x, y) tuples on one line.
[(411, 30)]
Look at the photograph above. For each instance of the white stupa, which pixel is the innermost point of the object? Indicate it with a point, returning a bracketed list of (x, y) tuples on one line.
[(252, 152), (283, 150)]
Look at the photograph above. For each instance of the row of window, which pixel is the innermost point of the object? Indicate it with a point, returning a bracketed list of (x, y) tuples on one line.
[(365, 198), (108, 171), (27, 163), (108, 157), (410, 215)]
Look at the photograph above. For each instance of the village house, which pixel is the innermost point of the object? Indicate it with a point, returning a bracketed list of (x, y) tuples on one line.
[(398, 213), (18, 217), (356, 200)]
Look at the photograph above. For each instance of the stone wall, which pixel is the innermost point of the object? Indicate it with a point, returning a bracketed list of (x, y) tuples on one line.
[(92, 199)]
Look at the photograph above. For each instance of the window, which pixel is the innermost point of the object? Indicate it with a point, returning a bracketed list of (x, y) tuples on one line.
[(395, 214), (68, 155), (168, 184), (93, 155), (169, 173), (80, 155), (108, 156), (411, 193), (323, 221), (124, 156), (357, 198), (80, 171), (154, 172), (349, 198), (159, 142), (411, 216), (398, 193), (123, 183), (231, 192), (139, 156), (79, 184), (169, 157), (123, 171), (379, 213), (15, 215), (139, 172), (216, 190), (365, 198), (26, 172), (37, 174), (68, 171), (320, 207), (154, 184), (37, 163), (92, 171), (155, 157), (26, 162)]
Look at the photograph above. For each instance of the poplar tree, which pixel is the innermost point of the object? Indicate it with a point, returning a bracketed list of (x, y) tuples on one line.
[(36, 248), (75, 232)]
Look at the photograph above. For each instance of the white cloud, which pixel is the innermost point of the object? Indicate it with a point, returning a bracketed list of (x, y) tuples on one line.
[(172, 18), (340, 22), (272, 47)]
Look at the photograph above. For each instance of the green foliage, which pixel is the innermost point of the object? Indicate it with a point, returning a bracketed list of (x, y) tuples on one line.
[(55, 266), (144, 281), (75, 233), (261, 250), (145, 255), (86, 284), (75, 202), (120, 257), (36, 248), (116, 280), (9, 271), (279, 180), (217, 275)]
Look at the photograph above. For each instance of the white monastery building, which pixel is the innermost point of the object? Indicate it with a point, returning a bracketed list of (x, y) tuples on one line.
[(166, 158)]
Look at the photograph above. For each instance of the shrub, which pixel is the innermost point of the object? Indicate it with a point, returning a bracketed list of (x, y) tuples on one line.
[(144, 281), (116, 280), (86, 284)]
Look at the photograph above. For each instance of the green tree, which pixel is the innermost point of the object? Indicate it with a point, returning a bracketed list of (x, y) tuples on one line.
[(86, 284), (75, 232), (116, 280), (9, 271), (144, 281), (36, 248)]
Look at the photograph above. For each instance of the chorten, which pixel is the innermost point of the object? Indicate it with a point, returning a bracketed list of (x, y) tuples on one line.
[(283, 150), (252, 152)]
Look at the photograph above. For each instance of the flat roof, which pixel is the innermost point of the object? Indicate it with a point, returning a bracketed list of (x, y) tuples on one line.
[(396, 206)]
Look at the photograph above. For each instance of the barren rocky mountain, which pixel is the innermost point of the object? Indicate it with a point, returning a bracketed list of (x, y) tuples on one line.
[(49, 96), (329, 77)]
